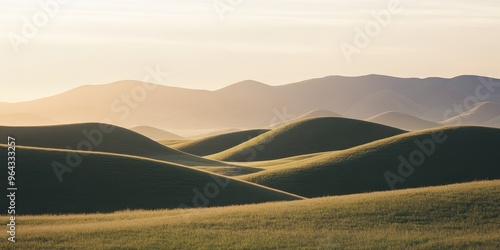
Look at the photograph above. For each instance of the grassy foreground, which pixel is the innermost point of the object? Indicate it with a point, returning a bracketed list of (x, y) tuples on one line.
[(447, 217)]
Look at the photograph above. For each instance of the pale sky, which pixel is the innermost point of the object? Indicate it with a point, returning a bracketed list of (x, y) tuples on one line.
[(272, 41)]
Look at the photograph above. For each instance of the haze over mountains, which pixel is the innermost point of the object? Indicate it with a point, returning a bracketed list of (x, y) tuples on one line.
[(483, 113), (402, 121), (251, 104)]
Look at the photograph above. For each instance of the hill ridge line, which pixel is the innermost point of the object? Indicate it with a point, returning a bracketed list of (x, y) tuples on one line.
[(173, 164)]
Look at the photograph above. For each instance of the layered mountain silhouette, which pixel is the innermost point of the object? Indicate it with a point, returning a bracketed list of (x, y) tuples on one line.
[(402, 121), (485, 113), (250, 104)]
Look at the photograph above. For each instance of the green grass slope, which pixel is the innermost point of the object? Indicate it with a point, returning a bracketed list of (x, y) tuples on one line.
[(104, 182), (101, 138), (170, 143), (463, 216), (214, 144), (307, 136), (311, 114), (467, 154)]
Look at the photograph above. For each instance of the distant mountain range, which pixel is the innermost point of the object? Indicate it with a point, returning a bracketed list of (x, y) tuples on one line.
[(251, 104)]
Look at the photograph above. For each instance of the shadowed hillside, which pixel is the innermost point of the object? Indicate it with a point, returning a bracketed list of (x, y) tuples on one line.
[(105, 182), (307, 136), (101, 138), (214, 144), (404, 161)]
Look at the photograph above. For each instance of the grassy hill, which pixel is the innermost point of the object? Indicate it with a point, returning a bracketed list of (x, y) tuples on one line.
[(309, 115), (467, 154), (402, 121), (213, 133), (105, 182), (215, 144), (101, 138), (307, 136), (156, 133), (170, 143), (463, 216)]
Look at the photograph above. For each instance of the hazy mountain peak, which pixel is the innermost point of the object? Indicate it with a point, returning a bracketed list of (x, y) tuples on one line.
[(245, 85)]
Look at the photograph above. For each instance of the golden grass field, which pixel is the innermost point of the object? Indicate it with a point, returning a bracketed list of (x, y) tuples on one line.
[(460, 216)]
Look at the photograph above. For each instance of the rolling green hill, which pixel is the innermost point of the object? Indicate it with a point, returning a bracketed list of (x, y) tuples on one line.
[(307, 136), (105, 182), (170, 143), (311, 114), (214, 144), (101, 138), (467, 154), (462, 216)]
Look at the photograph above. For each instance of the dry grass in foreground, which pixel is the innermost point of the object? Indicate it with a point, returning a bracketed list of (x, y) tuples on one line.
[(447, 217)]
